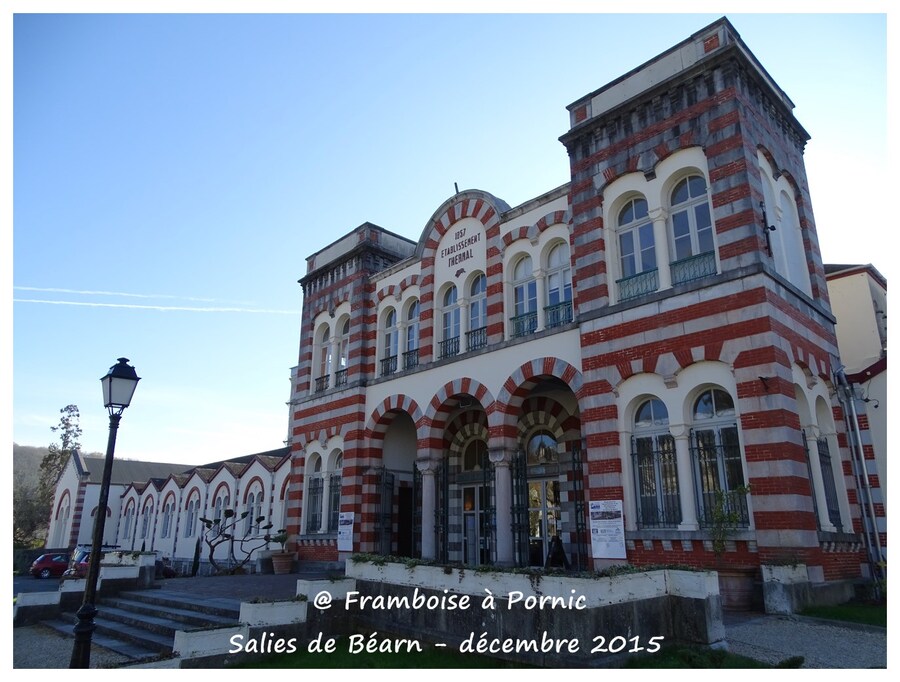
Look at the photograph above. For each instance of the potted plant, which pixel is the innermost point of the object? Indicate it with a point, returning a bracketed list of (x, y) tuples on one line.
[(283, 561)]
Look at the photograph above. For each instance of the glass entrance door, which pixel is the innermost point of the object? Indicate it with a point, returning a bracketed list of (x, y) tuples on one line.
[(476, 520), (543, 518)]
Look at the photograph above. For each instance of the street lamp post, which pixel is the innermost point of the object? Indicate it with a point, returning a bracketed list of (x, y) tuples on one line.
[(118, 388)]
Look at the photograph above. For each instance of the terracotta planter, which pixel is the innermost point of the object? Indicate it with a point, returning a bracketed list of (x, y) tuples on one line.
[(282, 562)]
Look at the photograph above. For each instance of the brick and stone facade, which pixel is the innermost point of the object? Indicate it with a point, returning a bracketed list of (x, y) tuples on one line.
[(656, 331)]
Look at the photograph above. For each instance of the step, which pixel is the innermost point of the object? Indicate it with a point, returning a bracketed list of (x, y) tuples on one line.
[(143, 611), (218, 606), (129, 649)]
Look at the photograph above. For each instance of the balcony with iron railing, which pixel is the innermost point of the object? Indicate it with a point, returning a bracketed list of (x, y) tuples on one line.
[(524, 324), (340, 378), (449, 347), (411, 359), (638, 285), (388, 365), (476, 338), (693, 268), (558, 314), (322, 383)]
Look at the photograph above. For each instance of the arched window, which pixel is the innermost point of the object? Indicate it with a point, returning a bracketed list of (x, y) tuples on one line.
[(637, 250), (343, 352), (475, 456), (145, 519), (191, 518), (559, 286), (476, 336), (391, 333), (324, 355), (524, 298), (220, 506), (313, 502), (250, 520), (129, 522), (411, 356), (693, 246), (718, 468), (168, 508), (450, 318), (655, 467), (542, 448)]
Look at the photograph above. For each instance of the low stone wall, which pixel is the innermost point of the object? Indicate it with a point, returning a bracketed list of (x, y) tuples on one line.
[(552, 621), (787, 589)]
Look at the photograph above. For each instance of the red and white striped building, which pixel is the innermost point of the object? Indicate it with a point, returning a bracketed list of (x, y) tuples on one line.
[(656, 331)]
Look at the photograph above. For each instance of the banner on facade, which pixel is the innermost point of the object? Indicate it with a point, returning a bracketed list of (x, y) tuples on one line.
[(607, 529), (345, 532)]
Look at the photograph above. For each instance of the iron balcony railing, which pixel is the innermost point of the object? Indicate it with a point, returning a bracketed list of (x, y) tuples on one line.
[(322, 384), (693, 267), (388, 365), (476, 338), (411, 359), (640, 284), (558, 315), (524, 324), (449, 347), (340, 378)]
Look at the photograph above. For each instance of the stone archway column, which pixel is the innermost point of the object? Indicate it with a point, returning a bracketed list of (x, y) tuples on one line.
[(427, 469), (661, 242), (686, 494), (540, 299), (503, 506), (818, 483)]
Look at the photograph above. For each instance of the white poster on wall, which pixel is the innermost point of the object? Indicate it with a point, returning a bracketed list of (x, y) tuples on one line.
[(607, 529), (345, 532)]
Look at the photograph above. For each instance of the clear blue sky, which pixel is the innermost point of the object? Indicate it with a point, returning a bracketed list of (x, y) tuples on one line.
[(172, 172)]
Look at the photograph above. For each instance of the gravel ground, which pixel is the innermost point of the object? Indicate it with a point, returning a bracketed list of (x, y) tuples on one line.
[(823, 645), (37, 646)]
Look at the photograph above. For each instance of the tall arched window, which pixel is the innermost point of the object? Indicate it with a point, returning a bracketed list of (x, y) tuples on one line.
[(168, 509), (524, 298), (313, 502), (693, 246), (220, 506), (559, 286), (190, 523), (450, 318), (717, 459), (476, 336), (145, 519), (391, 333), (250, 519), (343, 353), (324, 364), (128, 522), (411, 356), (637, 250), (655, 467)]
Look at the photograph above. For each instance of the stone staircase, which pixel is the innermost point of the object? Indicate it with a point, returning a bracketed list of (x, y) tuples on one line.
[(141, 625)]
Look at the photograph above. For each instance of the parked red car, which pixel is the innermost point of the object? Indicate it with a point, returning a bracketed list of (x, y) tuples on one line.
[(50, 565)]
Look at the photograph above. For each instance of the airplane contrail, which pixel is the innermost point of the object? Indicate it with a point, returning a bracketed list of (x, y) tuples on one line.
[(192, 309), (122, 294)]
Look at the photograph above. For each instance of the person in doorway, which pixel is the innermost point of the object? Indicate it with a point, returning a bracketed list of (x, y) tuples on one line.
[(556, 556)]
